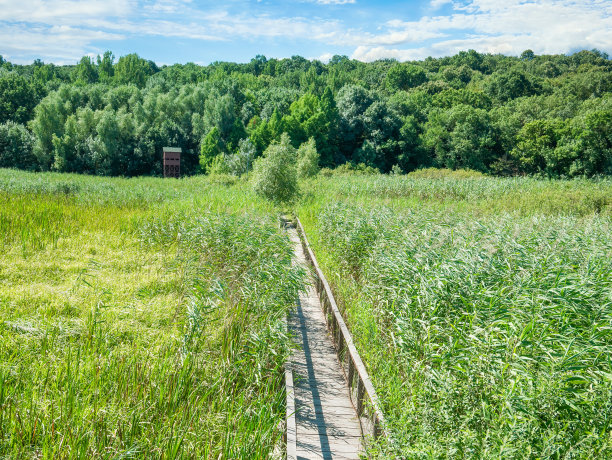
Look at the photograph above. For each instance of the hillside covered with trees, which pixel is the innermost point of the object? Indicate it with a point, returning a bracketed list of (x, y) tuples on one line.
[(544, 115)]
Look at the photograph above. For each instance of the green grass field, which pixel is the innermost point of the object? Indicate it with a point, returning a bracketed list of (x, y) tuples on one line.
[(481, 306), (142, 318)]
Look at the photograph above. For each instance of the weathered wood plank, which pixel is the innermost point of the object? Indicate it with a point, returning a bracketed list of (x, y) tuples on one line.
[(327, 425), (291, 441), (376, 423)]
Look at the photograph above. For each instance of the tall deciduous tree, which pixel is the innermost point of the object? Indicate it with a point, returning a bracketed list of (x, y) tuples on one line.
[(85, 71), (510, 85), (16, 147), (131, 68), (461, 137), (535, 143), (211, 147), (404, 77), (17, 98), (352, 102), (463, 110), (105, 66)]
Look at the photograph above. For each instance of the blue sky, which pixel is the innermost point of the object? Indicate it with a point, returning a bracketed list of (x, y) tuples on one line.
[(171, 31)]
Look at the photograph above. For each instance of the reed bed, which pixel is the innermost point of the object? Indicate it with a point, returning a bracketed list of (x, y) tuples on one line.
[(473, 193), (487, 333), (141, 318)]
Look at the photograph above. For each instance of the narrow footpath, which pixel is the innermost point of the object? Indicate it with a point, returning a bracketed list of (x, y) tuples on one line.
[(326, 422)]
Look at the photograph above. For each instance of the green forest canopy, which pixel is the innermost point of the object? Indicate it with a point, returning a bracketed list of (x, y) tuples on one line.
[(547, 115)]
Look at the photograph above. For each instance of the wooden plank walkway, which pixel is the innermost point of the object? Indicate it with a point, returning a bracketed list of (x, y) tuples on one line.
[(327, 426)]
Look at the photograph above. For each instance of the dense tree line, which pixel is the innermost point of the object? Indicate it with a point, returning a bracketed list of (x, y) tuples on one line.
[(547, 115)]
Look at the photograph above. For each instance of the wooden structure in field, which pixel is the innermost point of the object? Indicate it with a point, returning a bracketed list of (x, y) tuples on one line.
[(172, 162)]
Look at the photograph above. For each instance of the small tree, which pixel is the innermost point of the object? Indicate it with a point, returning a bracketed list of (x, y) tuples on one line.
[(17, 98), (308, 159), (275, 174), (241, 162)]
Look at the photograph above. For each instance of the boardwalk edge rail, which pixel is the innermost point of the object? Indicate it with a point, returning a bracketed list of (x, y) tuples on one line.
[(290, 434), (362, 392), (290, 427)]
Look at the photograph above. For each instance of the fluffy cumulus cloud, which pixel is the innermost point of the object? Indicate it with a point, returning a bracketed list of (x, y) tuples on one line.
[(64, 30), (491, 26), (325, 57), (63, 43), (57, 29)]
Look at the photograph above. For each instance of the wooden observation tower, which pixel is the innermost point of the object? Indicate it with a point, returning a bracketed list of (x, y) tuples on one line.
[(172, 162)]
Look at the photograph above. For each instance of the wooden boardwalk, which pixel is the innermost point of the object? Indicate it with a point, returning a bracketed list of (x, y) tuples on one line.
[(327, 426)]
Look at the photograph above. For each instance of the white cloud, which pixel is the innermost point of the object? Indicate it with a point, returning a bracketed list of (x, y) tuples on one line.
[(32, 27), (435, 4), (263, 26), (166, 6), (508, 27), (63, 11), (325, 57), (58, 30), (65, 30), (62, 44), (369, 54)]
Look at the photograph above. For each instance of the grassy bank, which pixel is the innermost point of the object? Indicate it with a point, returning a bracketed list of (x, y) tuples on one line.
[(482, 308), (140, 318)]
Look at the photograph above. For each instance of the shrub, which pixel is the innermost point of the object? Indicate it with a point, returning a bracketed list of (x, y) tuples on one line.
[(225, 180), (218, 165), (275, 174), (241, 162), (443, 173), (356, 170), (308, 159)]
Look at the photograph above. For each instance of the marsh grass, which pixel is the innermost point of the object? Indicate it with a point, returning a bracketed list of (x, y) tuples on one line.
[(487, 330), (472, 194), (140, 318)]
